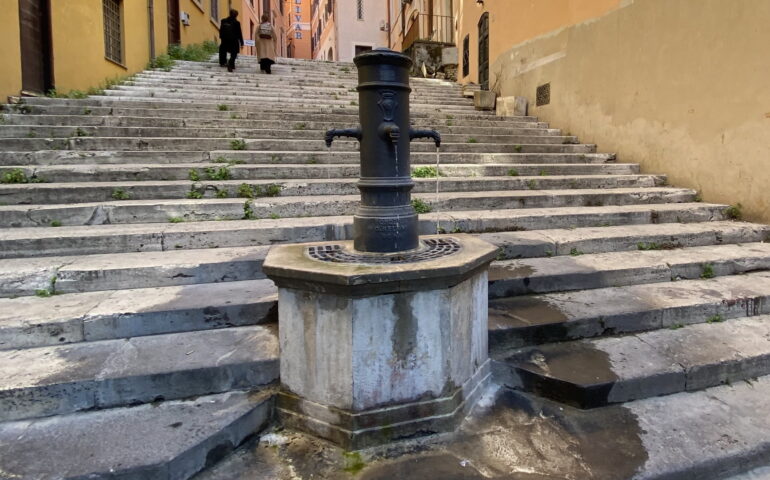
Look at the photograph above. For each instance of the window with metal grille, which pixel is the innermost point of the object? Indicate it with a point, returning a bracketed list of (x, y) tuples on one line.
[(297, 34), (214, 9), (543, 95), (466, 55), (360, 9), (113, 30)]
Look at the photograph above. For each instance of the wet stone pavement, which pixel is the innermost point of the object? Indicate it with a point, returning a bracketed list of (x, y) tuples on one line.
[(514, 436)]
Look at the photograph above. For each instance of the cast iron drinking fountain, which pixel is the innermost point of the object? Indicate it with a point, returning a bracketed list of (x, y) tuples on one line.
[(384, 337)]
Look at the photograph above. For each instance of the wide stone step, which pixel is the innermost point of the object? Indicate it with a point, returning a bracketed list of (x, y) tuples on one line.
[(234, 144), (60, 318), (457, 127), (243, 171), (28, 276), (340, 116), (163, 211), (599, 372), (96, 239), (45, 381), (297, 132), (129, 105), (173, 439), (241, 186), (606, 238), (553, 317), (280, 157), (615, 269)]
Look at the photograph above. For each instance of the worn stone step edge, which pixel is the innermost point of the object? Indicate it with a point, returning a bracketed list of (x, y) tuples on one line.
[(95, 239), (146, 441), (141, 172), (600, 372), (99, 272), (55, 380), (168, 158), (553, 317), (59, 318), (151, 189), (616, 269), (124, 212)]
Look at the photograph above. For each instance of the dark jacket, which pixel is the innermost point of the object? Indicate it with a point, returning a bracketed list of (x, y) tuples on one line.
[(230, 33)]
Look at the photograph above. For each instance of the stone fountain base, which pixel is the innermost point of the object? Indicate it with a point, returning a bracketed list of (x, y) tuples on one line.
[(392, 348)]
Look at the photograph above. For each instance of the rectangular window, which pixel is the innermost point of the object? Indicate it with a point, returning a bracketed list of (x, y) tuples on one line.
[(214, 10), (360, 9), (113, 30), (298, 17), (266, 6), (297, 9), (298, 35), (466, 55)]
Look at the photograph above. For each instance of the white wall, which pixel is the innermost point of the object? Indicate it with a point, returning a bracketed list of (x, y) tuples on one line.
[(366, 32)]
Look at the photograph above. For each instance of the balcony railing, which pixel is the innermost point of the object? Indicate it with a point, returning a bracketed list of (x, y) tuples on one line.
[(432, 28)]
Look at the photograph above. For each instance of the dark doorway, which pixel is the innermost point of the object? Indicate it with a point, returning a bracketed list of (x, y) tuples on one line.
[(174, 33), (36, 55), (484, 51), (362, 49)]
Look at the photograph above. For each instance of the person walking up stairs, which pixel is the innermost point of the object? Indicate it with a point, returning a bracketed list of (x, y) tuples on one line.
[(232, 40)]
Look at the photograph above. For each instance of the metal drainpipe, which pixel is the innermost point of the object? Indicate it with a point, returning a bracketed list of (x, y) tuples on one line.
[(389, 24), (151, 21)]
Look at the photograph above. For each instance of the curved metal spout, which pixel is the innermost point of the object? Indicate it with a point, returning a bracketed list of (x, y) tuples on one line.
[(342, 132), (425, 134)]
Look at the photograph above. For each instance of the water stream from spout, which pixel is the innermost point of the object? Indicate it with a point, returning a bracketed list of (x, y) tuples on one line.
[(438, 176)]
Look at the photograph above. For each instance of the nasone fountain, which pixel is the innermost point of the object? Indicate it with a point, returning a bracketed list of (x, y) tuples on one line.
[(385, 337)]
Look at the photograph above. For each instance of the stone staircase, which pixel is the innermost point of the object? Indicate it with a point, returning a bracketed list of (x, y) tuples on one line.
[(138, 332)]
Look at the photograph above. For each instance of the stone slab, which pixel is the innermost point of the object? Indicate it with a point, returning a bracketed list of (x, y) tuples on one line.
[(170, 441), (46, 381)]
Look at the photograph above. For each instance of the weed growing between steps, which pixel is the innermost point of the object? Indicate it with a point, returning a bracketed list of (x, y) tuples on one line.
[(734, 212), (255, 191), (16, 175), (238, 144), (199, 52), (223, 108), (106, 84), (221, 173), (163, 62), (707, 271), (715, 319), (248, 211), (425, 172), (513, 172), (176, 220), (420, 206), (120, 194), (229, 161)]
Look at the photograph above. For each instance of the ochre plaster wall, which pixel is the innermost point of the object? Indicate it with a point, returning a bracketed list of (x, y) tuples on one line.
[(202, 25), (78, 43), (10, 53), (682, 88), (514, 21)]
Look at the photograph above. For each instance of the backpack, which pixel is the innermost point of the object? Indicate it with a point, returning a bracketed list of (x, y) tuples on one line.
[(265, 30), (227, 30)]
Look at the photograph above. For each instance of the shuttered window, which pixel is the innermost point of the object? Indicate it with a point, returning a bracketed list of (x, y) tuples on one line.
[(113, 30), (215, 10)]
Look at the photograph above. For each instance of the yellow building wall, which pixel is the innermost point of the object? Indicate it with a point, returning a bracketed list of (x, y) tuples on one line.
[(514, 21), (10, 50), (77, 33), (682, 88), (78, 43), (202, 25)]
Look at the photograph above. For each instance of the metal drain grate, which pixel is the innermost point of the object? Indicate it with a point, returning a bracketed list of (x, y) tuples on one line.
[(434, 248), (543, 95)]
